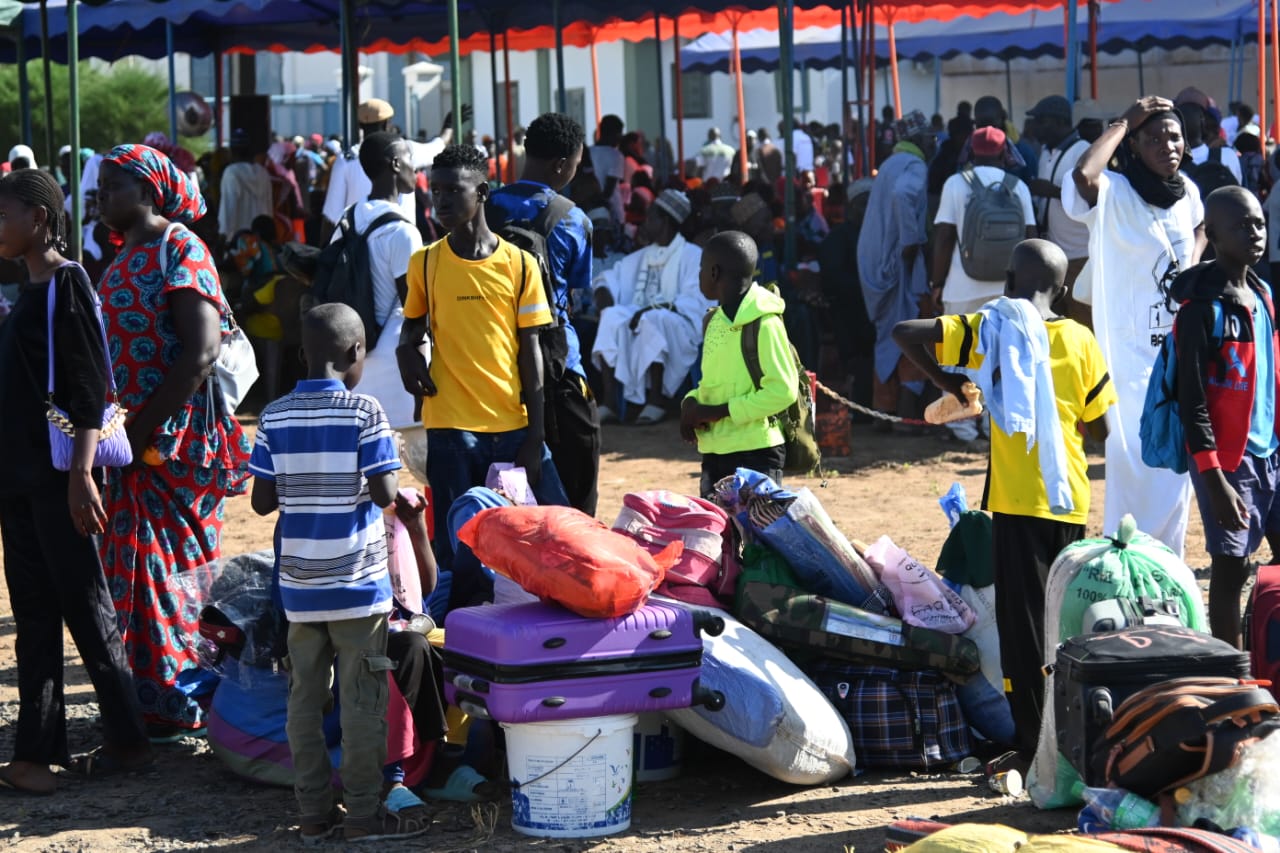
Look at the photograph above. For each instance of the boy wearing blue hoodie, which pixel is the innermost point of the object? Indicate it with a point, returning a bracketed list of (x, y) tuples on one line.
[(731, 415)]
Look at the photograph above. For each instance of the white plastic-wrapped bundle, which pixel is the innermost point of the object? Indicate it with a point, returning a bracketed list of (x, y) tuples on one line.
[(774, 718)]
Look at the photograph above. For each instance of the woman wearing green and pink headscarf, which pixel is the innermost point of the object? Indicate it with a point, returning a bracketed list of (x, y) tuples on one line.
[(165, 316)]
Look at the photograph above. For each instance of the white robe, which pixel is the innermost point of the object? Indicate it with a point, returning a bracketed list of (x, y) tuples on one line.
[(1131, 248), (666, 337)]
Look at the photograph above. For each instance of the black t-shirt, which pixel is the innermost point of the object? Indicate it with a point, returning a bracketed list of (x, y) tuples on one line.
[(80, 378)]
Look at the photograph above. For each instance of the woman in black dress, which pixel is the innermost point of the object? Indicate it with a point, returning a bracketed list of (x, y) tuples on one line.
[(50, 520)]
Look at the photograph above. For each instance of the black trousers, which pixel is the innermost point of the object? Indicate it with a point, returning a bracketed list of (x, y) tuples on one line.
[(573, 437), (55, 576), (419, 674), (717, 466), (1022, 550)]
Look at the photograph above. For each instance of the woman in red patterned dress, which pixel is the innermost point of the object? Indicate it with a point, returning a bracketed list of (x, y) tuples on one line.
[(166, 316)]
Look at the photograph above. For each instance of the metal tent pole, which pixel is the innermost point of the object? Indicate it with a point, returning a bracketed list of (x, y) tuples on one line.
[(562, 100), (893, 70), (844, 71), (1008, 89), (1073, 51), (512, 177), (1142, 82), (51, 150), (1262, 65), (595, 78), (73, 96), (455, 70), (1093, 51), (24, 84), (735, 63), (217, 99), (352, 105), (497, 125), (679, 97), (1275, 71), (785, 34), (937, 84), (344, 109), (661, 149), (173, 75)]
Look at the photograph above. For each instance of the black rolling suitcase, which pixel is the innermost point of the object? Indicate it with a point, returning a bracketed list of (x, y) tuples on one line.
[(1094, 673)]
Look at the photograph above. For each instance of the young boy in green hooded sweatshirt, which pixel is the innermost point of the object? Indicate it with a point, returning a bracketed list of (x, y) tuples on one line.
[(729, 415)]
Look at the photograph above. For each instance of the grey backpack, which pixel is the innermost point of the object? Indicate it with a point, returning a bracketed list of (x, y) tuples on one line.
[(993, 225)]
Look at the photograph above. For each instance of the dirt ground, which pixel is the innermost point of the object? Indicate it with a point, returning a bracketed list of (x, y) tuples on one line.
[(889, 485)]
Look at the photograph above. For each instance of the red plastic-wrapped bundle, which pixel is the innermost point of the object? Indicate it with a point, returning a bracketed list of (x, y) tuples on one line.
[(566, 556)]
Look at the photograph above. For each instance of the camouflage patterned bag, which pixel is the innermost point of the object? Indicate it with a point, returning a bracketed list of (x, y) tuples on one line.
[(797, 620)]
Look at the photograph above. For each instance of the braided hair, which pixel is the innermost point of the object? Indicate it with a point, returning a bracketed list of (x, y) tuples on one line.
[(37, 188)]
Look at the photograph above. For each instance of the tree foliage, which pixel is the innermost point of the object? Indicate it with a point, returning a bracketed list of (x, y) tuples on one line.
[(122, 104)]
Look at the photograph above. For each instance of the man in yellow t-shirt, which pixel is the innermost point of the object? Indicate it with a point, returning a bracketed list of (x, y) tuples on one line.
[(1026, 535), (477, 303)]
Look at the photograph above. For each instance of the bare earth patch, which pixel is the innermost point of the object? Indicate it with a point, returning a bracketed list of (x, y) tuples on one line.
[(890, 485)]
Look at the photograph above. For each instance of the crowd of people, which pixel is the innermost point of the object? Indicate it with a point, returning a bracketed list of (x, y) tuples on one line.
[(518, 299)]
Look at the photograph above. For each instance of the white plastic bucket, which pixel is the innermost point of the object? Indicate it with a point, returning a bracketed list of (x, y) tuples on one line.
[(571, 778), (659, 748)]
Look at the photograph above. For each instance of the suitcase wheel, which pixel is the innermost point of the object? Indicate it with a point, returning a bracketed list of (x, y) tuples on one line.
[(553, 702), (554, 642), (712, 700), (1100, 706), (708, 623)]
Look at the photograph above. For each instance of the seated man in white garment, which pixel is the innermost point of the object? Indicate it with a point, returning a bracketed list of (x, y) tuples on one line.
[(650, 315)]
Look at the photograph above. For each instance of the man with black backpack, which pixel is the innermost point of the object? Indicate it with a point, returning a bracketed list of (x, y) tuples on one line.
[(365, 267), (1210, 168), (534, 215), (985, 212)]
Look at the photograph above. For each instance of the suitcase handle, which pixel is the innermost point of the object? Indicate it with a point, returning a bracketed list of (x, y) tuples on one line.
[(1100, 706)]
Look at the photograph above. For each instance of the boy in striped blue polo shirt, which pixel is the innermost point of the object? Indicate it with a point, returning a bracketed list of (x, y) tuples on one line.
[(326, 458)]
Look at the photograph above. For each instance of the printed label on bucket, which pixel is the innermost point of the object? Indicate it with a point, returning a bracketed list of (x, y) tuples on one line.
[(590, 792)]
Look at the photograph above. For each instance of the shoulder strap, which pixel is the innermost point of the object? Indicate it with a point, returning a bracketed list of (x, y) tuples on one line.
[(164, 247), (1215, 155), (550, 217), (751, 351), (969, 175), (72, 267), (385, 219), (1010, 182), (430, 263)]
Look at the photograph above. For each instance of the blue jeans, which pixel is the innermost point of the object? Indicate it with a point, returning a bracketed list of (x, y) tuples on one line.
[(457, 460)]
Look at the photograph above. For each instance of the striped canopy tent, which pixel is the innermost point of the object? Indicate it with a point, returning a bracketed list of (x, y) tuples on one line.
[(111, 28)]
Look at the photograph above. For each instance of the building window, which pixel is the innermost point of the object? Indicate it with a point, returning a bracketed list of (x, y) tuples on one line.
[(801, 90), (695, 86)]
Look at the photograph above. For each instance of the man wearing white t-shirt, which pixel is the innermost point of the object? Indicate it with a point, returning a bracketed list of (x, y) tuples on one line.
[(960, 293), (348, 183), (1063, 148), (386, 161), (609, 165), (801, 146), (715, 158)]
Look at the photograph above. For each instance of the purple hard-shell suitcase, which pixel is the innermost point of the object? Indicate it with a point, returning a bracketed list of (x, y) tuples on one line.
[(526, 663)]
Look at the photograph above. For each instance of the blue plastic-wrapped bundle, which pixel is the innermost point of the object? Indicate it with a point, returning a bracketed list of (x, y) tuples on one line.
[(796, 526)]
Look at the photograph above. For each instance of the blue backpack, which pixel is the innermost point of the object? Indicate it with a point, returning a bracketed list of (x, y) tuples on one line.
[(1164, 444)]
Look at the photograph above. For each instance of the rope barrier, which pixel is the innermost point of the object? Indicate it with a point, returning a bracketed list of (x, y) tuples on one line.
[(849, 404)]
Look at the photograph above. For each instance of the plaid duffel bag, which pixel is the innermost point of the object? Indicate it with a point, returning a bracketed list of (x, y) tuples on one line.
[(897, 718)]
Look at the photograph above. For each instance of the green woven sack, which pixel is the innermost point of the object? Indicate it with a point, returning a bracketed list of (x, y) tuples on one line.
[(1129, 565)]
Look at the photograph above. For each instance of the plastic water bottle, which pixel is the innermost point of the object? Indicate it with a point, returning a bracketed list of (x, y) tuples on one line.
[(1115, 808)]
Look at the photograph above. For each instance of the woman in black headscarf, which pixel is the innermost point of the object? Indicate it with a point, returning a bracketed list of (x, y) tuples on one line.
[(1146, 223)]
